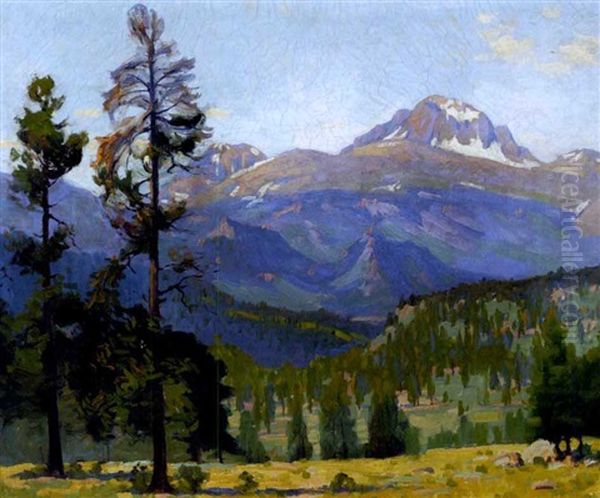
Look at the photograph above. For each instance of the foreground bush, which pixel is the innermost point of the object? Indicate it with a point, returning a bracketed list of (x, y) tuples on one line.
[(192, 478)]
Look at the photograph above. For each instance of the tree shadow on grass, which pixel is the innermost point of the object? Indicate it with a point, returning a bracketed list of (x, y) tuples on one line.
[(78, 473)]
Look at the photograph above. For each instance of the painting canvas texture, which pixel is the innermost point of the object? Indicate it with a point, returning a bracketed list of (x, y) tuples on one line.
[(285, 248)]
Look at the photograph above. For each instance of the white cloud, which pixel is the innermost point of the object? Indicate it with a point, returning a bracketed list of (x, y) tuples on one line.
[(551, 12), (486, 18), (92, 112), (217, 113), (505, 46), (583, 50), (8, 144)]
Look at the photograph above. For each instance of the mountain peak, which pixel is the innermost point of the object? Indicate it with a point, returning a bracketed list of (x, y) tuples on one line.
[(453, 125), (455, 108), (580, 157), (221, 160)]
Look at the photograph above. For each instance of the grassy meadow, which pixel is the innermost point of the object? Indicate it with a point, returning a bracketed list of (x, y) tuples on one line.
[(460, 473)]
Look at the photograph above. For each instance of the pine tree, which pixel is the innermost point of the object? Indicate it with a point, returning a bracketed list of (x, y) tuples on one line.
[(553, 390), (100, 353), (336, 426), (161, 138), (205, 418), (249, 441), (299, 447), (387, 429), (269, 407), (45, 155)]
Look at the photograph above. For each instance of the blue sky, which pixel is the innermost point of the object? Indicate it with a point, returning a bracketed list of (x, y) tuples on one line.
[(281, 75)]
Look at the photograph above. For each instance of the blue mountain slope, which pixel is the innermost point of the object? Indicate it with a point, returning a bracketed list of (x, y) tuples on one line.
[(356, 252)]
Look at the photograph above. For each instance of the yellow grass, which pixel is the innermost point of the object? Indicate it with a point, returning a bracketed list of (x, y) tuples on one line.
[(457, 473)]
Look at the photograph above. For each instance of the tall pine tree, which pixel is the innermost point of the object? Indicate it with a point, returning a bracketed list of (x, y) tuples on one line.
[(45, 155), (158, 126)]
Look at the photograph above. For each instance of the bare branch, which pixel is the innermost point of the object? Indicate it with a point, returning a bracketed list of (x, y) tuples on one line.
[(177, 68)]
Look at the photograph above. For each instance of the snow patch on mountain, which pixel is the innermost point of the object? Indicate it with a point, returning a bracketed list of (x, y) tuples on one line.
[(222, 160), (392, 187), (262, 191), (476, 148), (459, 110), (254, 167), (471, 185), (580, 157), (395, 133)]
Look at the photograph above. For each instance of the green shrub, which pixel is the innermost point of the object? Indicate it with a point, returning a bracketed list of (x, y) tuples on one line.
[(248, 484), (33, 473), (588, 451), (75, 471), (140, 478), (192, 478), (412, 441), (538, 460), (96, 468), (343, 482), (481, 468), (443, 439)]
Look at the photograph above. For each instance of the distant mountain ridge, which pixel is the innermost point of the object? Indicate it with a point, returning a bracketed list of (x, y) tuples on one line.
[(218, 162), (434, 196), (580, 157)]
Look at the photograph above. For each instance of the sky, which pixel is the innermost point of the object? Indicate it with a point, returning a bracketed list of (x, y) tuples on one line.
[(282, 75)]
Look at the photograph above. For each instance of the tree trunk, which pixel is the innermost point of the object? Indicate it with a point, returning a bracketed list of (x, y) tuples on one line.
[(160, 479), (568, 445), (55, 460), (196, 454)]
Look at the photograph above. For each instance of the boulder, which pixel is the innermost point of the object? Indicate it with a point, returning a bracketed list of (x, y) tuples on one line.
[(546, 484), (540, 448), (512, 459), (424, 470)]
